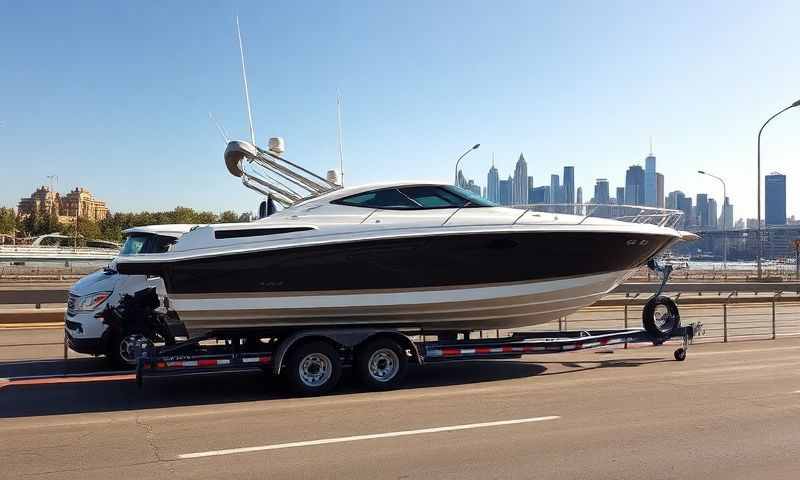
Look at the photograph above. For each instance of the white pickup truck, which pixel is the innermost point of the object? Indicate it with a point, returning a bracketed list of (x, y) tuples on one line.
[(84, 327)]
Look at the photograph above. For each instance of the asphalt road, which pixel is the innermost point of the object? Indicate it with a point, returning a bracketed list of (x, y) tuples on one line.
[(729, 411)]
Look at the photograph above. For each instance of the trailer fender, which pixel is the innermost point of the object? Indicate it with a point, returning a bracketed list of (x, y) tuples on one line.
[(349, 338)]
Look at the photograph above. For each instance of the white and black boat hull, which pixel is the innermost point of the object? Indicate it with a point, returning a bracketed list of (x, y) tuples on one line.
[(439, 282), (477, 307)]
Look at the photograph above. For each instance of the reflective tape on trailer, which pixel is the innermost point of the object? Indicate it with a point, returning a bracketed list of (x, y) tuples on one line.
[(547, 346), (207, 362)]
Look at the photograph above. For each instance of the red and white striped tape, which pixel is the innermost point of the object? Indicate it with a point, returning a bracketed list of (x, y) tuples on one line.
[(208, 362)]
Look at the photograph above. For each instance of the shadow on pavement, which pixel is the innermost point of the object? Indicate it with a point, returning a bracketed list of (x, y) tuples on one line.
[(28, 368), (86, 396)]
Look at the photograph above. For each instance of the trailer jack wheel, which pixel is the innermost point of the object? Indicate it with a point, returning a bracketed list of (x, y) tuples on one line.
[(680, 354), (660, 318)]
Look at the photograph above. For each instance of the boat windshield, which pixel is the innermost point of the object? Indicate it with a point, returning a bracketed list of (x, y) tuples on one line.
[(146, 243), (416, 198), (475, 200)]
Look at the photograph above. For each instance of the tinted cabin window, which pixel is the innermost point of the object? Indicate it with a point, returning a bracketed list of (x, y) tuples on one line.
[(388, 198), (433, 197)]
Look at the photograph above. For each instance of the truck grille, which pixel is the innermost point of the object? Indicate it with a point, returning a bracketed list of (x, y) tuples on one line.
[(71, 303)]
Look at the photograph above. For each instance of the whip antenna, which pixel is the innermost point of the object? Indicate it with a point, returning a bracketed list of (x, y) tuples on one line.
[(339, 136), (244, 80), (219, 128)]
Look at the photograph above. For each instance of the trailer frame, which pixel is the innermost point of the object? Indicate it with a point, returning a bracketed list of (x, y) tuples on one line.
[(191, 358)]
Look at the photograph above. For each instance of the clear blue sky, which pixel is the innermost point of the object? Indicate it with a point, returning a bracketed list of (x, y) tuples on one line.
[(115, 96)]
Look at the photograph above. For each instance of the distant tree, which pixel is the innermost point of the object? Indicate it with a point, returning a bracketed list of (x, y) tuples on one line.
[(228, 217), (8, 221), (246, 217)]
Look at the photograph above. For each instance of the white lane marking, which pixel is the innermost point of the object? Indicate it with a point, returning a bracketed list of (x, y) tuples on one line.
[(796, 391), (355, 438)]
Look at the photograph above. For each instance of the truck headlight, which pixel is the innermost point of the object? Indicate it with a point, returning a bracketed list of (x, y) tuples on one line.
[(91, 301)]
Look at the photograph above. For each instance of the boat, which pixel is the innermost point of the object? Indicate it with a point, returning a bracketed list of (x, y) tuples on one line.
[(407, 255)]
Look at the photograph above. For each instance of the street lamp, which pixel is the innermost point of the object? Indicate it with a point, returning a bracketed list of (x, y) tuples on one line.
[(724, 218), (758, 226), (474, 147)]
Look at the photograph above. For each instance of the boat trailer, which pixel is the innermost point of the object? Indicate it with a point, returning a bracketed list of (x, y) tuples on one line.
[(233, 354)]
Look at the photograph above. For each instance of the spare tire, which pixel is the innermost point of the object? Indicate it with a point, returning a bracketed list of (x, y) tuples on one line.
[(661, 318)]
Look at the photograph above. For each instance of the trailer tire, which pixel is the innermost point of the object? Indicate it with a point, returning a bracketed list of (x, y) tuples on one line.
[(119, 351), (313, 368), (381, 364), (661, 318)]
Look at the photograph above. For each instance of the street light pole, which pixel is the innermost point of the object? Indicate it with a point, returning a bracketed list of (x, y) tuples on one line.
[(455, 177), (758, 226), (724, 218)]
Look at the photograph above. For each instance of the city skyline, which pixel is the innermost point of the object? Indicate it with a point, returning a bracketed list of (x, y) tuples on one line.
[(704, 212)]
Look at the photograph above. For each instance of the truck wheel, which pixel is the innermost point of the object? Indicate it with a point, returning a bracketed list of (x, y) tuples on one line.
[(313, 368), (122, 349), (381, 364), (660, 318)]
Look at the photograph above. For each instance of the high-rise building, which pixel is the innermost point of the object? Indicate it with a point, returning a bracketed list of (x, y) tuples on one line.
[(493, 184), (541, 194), (461, 180), (701, 209), (775, 199), (579, 195), (504, 191), (620, 195), (634, 185), (684, 204), (569, 185), (672, 199), (659, 190), (519, 195), (555, 189), (726, 219), (712, 213), (650, 181), (601, 191), (473, 187)]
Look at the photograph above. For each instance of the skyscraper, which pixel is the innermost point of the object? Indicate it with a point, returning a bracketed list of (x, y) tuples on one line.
[(712, 213), (672, 199), (519, 195), (461, 180), (555, 189), (650, 181), (702, 209), (493, 184), (504, 191), (601, 191), (620, 195), (727, 214), (634, 185), (569, 185), (659, 190), (775, 199), (541, 195), (579, 195), (685, 204)]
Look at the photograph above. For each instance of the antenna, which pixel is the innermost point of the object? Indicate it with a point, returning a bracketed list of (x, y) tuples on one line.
[(339, 136), (219, 127), (651, 145), (244, 80)]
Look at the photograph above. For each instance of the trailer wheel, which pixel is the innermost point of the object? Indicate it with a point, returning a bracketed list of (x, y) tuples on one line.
[(660, 318), (313, 368), (381, 364), (121, 352)]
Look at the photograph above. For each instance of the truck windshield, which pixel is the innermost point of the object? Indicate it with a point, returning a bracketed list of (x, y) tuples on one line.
[(146, 243)]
